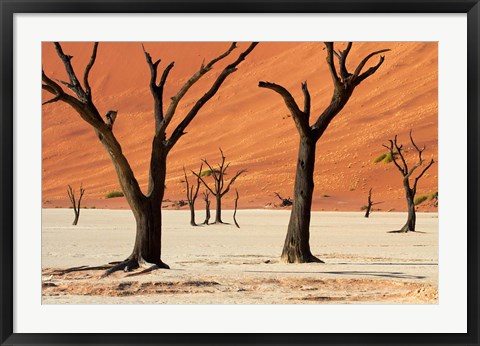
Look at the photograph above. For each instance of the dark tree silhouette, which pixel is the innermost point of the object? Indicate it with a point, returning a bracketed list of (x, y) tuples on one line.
[(286, 202), (192, 193), (219, 190), (75, 204), (235, 212), (146, 207), (207, 207), (297, 248), (370, 204), (407, 172)]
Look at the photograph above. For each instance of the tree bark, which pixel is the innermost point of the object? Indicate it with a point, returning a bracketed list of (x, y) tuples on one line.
[(148, 240), (192, 214), (147, 211), (369, 204), (296, 248), (77, 215), (207, 208), (235, 211), (411, 218), (218, 208)]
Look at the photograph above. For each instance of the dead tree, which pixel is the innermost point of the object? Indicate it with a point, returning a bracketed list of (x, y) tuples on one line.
[(192, 193), (219, 190), (296, 248), (286, 202), (206, 194), (146, 207), (235, 212), (75, 204), (407, 172), (370, 204)]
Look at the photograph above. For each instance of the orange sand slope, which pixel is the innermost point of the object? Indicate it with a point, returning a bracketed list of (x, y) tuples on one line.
[(251, 125)]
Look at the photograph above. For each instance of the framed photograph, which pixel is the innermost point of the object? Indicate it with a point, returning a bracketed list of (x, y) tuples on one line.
[(241, 172)]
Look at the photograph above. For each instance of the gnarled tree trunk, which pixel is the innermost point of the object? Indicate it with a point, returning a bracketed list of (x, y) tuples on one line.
[(218, 208), (296, 248), (411, 217), (207, 207)]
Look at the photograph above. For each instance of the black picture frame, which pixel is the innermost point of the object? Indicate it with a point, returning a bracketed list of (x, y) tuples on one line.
[(9, 8)]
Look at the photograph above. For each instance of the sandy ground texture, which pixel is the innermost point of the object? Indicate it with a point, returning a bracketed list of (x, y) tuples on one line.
[(252, 125), (221, 264)]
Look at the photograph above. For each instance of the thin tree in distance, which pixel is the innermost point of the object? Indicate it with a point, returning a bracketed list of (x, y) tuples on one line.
[(75, 203), (296, 248), (192, 193), (219, 189), (146, 207), (370, 204), (410, 190), (235, 211), (206, 198)]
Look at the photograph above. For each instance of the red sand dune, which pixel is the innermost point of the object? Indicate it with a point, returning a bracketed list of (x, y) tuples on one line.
[(251, 125)]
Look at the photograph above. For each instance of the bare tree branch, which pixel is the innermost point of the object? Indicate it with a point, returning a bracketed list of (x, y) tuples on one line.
[(89, 66), (399, 149), (204, 183), (300, 118), (360, 66), (75, 85), (343, 59), (306, 101), (421, 175), (233, 180), (55, 99), (392, 155), (179, 130), (183, 90), (331, 65)]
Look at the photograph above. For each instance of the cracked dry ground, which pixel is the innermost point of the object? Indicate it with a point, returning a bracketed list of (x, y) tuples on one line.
[(223, 286)]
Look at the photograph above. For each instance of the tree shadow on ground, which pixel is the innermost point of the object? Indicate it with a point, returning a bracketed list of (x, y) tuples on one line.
[(395, 275)]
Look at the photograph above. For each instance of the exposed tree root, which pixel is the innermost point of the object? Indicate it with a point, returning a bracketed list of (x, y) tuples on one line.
[(132, 264), (314, 259), (220, 223), (300, 259), (77, 269), (405, 231), (150, 268), (127, 265)]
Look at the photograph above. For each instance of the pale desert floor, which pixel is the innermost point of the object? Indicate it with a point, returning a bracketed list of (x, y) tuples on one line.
[(221, 264)]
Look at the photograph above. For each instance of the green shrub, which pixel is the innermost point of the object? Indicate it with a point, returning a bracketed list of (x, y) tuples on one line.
[(389, 157), (420, 199), (209, 172), (380, 158), (114, 194), (386, 157)]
